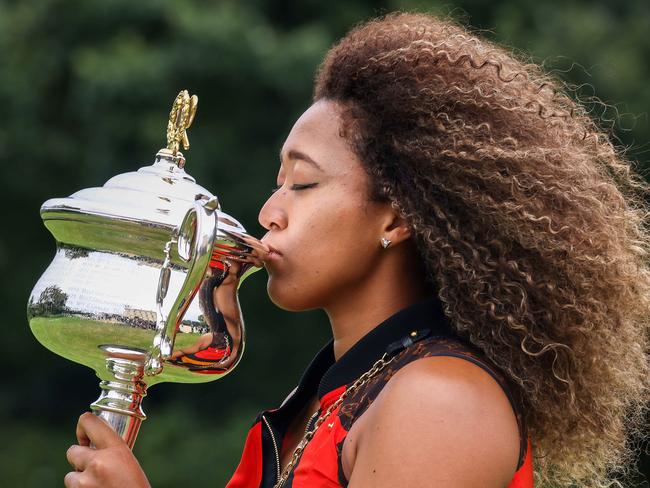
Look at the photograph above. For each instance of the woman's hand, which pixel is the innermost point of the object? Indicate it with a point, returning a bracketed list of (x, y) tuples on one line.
[(110, 463)]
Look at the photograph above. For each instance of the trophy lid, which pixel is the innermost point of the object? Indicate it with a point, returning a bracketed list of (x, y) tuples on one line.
[(155, 195), (134, 212)]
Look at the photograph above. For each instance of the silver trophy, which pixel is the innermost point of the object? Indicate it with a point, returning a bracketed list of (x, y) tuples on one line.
[(144, 284)]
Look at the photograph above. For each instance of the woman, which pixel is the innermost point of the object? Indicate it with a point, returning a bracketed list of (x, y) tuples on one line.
[(479, 247)]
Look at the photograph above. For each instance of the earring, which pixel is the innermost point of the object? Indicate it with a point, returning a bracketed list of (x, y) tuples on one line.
[(385, 242)]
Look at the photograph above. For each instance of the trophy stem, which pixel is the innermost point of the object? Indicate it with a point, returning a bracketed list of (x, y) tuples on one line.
[(120, 401)]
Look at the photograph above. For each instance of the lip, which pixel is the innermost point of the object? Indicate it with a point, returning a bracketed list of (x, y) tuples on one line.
[(273, 254)]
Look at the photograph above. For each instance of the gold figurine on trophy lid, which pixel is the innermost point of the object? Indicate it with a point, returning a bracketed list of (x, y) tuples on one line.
[(181, 117)]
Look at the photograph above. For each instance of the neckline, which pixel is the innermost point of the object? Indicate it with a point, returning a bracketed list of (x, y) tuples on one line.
[(366, 351), (324, 375)]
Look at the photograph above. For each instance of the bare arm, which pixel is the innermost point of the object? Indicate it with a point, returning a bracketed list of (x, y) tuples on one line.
[(202, 343), (439, 422)]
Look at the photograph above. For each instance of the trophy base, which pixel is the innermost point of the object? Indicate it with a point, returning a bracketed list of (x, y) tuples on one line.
[(120, 401)]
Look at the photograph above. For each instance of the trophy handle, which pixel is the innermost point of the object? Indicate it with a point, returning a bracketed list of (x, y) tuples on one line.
[(195, 237), (120, 401)]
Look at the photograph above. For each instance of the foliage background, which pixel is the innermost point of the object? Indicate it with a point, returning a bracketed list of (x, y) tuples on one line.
[(85, 90)]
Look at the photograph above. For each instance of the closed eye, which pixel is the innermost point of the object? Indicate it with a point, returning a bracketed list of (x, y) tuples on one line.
[(296, 187)]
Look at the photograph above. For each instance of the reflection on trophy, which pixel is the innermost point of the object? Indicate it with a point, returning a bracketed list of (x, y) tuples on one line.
[(143, 286)]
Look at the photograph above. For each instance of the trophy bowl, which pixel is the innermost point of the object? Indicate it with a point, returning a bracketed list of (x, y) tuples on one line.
[(143, 287)]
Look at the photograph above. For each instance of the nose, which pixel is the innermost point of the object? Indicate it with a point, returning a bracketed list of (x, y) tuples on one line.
[(272, 216)]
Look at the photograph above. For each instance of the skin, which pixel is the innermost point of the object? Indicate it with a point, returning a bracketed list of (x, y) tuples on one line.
[(329, 235), (436, 414), (440, 422)]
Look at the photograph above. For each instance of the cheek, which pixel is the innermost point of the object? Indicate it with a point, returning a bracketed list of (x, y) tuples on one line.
[(330, 252), (333, 235)]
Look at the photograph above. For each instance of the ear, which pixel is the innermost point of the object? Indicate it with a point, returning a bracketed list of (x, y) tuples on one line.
[(396, 228)]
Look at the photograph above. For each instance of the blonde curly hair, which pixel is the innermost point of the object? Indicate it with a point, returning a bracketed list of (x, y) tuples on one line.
[(529, 220)]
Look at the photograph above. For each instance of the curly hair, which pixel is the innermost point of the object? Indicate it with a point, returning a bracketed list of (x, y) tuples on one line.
[(529, 220)]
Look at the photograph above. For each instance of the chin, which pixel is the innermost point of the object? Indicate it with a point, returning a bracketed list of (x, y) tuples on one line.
[(292, 298)]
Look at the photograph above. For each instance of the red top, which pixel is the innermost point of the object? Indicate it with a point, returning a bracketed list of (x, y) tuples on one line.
[(320, 463)]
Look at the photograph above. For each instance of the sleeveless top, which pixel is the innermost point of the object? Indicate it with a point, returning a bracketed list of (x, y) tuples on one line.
[(415, 332)]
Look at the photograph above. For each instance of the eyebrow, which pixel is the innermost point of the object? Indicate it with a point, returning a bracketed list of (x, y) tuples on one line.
[(294, 154)]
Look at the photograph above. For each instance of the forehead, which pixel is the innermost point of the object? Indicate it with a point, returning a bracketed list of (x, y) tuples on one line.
[(323, 116), (316, 134)]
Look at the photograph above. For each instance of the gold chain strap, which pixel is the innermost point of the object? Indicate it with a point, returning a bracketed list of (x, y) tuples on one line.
[(380, 364)]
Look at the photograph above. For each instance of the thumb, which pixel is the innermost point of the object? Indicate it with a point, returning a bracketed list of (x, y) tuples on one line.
[(95, 430)]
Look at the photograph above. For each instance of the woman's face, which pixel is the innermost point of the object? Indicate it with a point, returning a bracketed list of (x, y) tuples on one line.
[(325, 231)]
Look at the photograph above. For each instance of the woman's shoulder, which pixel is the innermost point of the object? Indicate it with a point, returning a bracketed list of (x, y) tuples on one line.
[(450, 358), (451, 346), (439, 411), (448, 384), (440, 358)]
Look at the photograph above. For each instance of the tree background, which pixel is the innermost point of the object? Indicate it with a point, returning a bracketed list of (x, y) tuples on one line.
[(85, 92)]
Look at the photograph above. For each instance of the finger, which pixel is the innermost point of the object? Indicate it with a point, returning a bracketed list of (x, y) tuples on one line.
[(78, 456), (82, 438), (95, 430), (72, 480)]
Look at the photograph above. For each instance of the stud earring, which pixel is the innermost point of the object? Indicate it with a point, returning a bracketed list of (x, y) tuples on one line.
[(385, 242)]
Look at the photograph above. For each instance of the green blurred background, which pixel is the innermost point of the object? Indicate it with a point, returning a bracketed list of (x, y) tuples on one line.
[(85, 91)]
